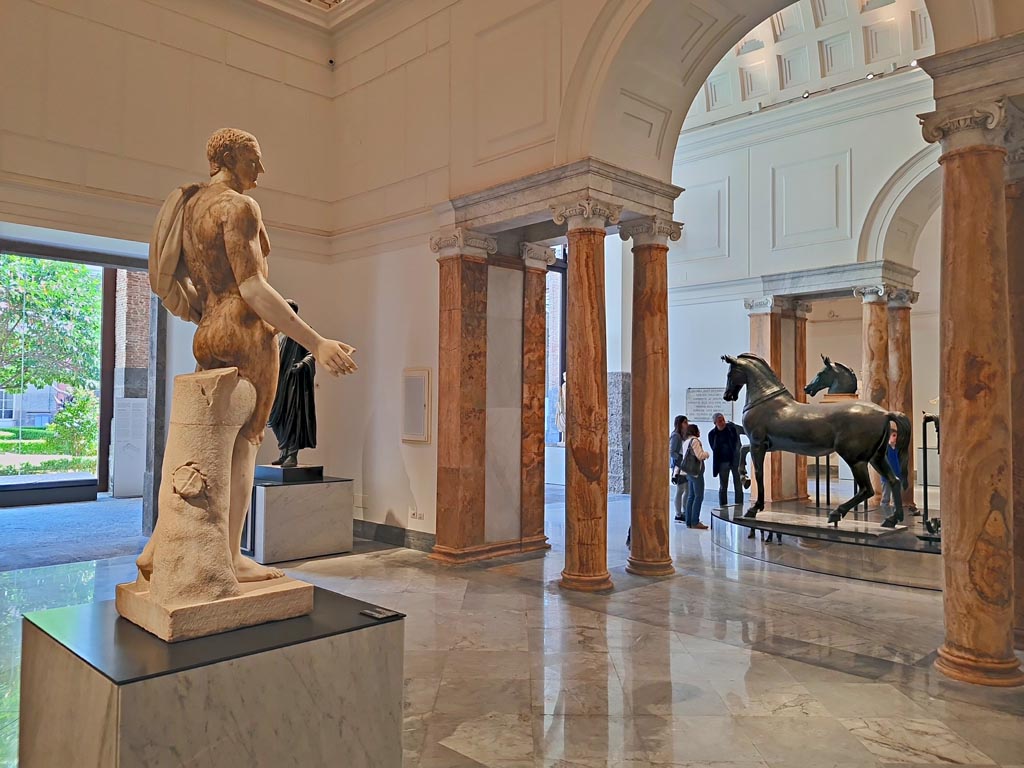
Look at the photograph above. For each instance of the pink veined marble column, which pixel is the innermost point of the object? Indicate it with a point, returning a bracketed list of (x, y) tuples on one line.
[(649, 510), (977, 483), (586, 399)]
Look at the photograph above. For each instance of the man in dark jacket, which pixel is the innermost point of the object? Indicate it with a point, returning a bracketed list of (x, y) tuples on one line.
[(725, 447)]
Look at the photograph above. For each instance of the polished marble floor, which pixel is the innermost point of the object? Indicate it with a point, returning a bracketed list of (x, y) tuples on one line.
[(731, 663)]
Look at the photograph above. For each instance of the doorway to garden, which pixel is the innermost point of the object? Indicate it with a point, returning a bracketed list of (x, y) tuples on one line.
[(74, 357)]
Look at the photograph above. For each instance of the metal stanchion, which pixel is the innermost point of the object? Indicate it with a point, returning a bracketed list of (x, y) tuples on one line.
[(828, 480), (817, 481)]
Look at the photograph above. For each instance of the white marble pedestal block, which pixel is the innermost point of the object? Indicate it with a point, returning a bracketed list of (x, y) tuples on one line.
[(294, 521), (319, 690)]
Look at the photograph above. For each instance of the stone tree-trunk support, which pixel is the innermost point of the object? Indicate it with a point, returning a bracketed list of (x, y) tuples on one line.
[(586, 393), (901, 374), (461, 395), (191, 590), (1015, 266), (536, 260), (874, 374), (649, 548), (974, 387)]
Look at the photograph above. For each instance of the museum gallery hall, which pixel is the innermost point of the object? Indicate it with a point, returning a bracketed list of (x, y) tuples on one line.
[(521, 384)]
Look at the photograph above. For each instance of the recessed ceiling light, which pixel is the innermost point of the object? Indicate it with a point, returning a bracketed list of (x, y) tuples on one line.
[(913, 63), (805, 95), (870, 76)]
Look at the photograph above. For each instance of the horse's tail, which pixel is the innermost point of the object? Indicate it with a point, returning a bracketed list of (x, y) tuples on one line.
[(903, 432)]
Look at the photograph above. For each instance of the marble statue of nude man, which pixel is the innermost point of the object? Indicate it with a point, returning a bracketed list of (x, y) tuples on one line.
[(219, 281)]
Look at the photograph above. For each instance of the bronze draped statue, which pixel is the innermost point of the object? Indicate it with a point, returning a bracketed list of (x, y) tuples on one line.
[(293, 417)]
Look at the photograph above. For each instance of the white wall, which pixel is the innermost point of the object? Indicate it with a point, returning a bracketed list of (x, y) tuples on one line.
[(791, 189)]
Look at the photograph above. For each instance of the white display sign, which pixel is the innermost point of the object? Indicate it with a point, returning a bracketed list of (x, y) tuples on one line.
[(128, 447), (704, 402)]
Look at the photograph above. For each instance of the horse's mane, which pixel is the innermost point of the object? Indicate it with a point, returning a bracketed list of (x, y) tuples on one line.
[(760, 363), (846, 368)]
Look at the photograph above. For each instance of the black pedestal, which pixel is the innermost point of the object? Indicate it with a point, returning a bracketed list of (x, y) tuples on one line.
[(304, 473)]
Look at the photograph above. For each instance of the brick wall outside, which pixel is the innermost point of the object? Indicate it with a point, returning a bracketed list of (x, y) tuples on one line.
[(131, 325)]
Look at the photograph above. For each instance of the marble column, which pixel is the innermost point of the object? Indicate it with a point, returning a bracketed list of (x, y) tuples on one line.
[(874, 372), (800, 311), (901, 373), (649, 549), (974, 389), (461, 394), (774, 337), (536, 259), (1015, 270), (586, 397)]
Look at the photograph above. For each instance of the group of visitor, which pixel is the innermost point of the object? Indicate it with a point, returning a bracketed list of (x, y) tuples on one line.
[(687, 456)]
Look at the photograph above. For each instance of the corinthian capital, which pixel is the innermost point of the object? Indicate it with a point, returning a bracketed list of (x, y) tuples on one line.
[(462, 242), (586, 213), (966, 126), (1014, 142), (537, 256), (869, 294), (650, 231), (900, 298)]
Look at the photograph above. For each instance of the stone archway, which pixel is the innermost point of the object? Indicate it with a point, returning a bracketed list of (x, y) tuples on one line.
[(901, 209), (644, 61)]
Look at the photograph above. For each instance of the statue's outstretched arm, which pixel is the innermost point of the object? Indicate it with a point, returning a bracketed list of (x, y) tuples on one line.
[(242, 241)]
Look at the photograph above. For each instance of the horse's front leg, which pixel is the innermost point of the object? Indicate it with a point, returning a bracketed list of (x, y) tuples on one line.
[(757, 451), (862, 484)]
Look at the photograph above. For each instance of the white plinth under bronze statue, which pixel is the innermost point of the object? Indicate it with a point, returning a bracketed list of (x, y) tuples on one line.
[(208, 264)]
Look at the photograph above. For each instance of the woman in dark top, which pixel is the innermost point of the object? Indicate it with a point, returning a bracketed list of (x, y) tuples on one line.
[(675, 444)]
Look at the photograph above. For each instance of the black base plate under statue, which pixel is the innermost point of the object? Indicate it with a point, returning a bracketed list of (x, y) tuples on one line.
[(304, 473)]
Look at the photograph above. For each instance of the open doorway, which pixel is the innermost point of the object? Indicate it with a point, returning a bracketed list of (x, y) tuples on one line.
[(74, 350)]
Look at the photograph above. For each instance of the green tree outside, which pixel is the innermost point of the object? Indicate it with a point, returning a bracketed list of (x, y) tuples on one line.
[(50, 317)]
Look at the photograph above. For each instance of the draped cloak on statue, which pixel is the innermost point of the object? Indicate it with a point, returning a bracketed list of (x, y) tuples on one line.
[(293, 417)]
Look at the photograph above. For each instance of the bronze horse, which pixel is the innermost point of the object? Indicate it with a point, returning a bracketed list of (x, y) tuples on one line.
[(840, 379), (857, 431)]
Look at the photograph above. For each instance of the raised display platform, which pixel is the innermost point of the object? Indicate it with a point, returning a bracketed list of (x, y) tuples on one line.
[(321, 689), (858, 549), (55, 488)]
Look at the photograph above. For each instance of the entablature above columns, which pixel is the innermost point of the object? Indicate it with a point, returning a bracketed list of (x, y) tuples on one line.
[(526, 203), (820, 283)]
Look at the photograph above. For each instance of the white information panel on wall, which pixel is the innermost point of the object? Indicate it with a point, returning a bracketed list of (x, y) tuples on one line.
[(704, 402)]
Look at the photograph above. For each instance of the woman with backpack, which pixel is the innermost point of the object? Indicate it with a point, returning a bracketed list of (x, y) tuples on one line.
[(693, 464), (675, 453)]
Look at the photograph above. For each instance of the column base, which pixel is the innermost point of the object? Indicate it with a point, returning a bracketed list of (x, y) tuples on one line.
[(967, 669), (586, 583), (534, 543), (461, 556), (650, 568)]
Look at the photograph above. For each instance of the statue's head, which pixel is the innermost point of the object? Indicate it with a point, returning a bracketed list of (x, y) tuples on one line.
[(237, 152), (293, 304)]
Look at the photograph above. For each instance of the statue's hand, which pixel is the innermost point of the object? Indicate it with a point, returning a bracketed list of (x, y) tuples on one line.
[(335, 356)]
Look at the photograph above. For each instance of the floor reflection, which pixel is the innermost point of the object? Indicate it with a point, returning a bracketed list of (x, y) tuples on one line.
[(731, 662)]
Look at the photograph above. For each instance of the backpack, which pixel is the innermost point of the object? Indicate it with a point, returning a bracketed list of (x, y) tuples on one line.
[(691, 464)]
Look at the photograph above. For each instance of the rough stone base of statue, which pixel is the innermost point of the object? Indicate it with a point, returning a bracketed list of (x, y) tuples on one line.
[(257, 603), (187, 586)]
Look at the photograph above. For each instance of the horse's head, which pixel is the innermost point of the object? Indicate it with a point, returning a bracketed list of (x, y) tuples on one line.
[(823, 380), (735, 380)]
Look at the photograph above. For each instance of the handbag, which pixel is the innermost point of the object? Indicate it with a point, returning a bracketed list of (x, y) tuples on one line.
[(678, 476), (691, 464)]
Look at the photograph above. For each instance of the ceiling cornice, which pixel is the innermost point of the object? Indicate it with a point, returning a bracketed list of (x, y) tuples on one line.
[(322, 14)]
